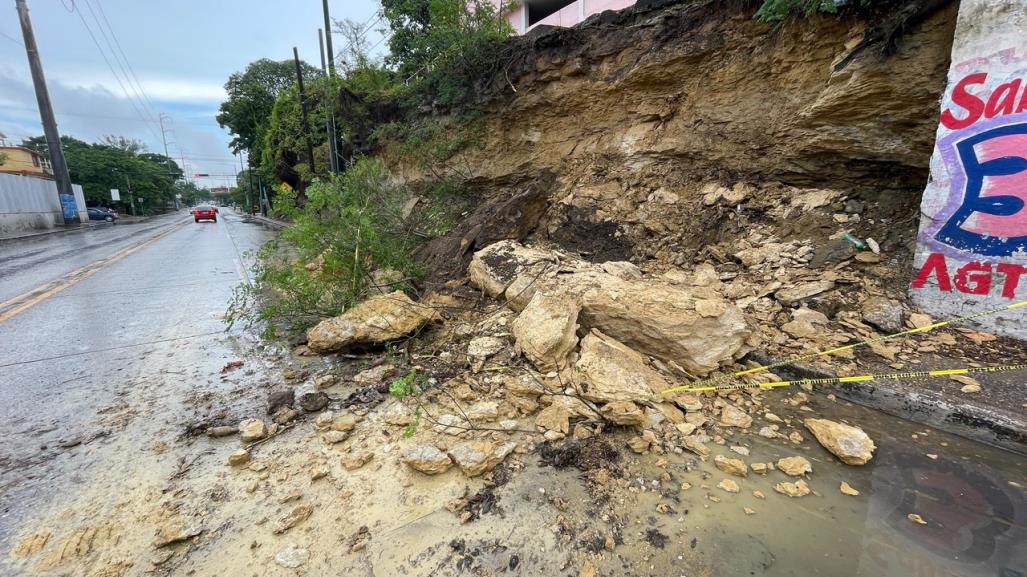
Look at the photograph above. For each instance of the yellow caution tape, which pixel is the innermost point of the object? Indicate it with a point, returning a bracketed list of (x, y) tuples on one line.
[(865, 343), (696, 388)]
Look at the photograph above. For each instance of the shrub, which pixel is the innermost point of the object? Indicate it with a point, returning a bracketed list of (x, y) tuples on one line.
[(322, 264), (778, 10)]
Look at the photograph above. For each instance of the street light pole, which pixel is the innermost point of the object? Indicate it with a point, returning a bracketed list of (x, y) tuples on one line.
[(53, 138)]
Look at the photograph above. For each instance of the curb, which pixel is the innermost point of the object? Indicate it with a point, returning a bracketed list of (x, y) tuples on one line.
[(276, 224), (55, 230), (972, 422)]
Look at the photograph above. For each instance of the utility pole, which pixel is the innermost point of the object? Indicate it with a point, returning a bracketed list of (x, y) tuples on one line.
[(249, 204), (53, 138), (167, 158), (303, 111), (330, 120), (328, 39)]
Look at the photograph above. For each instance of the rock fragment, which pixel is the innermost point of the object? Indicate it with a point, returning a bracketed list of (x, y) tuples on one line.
[(729, 486), (847, 489), (427, 459), (796, 489), (545, 331), (378, 320), (292, 556), (850, 444), (295, 517), (313, 401), (477, 457), (239, 458), (356, 459), (795, 466), (731, 466), (252, 430), (732, 416)]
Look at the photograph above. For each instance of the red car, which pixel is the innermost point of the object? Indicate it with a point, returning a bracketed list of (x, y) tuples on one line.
[(205, 213)]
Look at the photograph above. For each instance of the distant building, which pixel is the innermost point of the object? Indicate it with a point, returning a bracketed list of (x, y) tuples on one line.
[(527, 14), (220, 190), (24, 161)]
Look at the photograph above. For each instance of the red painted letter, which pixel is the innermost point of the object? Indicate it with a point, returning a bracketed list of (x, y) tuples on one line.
[(960, 97), (1012, 272), (1003, 99), (935, 263), (981, 279)]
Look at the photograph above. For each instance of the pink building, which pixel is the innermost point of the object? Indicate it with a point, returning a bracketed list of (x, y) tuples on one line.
[(526, 14)]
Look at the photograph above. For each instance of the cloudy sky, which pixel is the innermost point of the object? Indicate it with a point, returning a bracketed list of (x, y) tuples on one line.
[(167, 57)]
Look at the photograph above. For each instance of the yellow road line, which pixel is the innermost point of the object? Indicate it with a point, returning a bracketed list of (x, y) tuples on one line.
[(28, 299), (849, 379)]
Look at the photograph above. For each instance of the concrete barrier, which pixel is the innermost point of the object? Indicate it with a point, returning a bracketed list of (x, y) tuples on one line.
[(28, 203), (972, 247)]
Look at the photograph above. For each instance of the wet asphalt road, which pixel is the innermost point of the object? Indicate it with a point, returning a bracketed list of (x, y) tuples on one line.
[(153, 301)]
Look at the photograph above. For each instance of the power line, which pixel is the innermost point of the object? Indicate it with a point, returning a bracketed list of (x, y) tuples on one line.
[(111, 68), (114, 52), (11, 38), (103, 14)]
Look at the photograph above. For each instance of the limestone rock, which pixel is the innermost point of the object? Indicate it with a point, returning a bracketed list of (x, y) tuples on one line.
[(343, 422), (292, 556), (545, 331), (484, 347), (661, 320), (729, 486), (624, 413), (847, 489), (239, 458), (732, 416), (175, 532), (850, 444), (483, 411), (252, 430), (793, 294), (609, 371), (477, 457), (736, 467), (796, 489), (299, 514), (356, 459), (555, 417), (495, 267), (334, 437), (884, 313), (375, 375), (377, 320), (795, 466), (696, 446), (427, 459)]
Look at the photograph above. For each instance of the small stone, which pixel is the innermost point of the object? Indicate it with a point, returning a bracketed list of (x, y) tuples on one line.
[(285, 415), (916, 519), (483, 411), (795, 466), (624, 413), (729, 486), (292, 556), (427, 459), (685, 428), (222, 431), (175, 532), (344, 422), (375, 375), (322, 382), (639, 444), (847, 489), (884, 313), (743, 451), (696, 446), (796, 489), (850, 444), (759, 495), (239, 458), (484, 347), (295, 517), (730, 466), (970, 385), (356, 459), (759, 468), (252, 430), (732, 416), (334, 437), (313, 401), (280, 397), (749, 510), (477, 457), (686, 486)]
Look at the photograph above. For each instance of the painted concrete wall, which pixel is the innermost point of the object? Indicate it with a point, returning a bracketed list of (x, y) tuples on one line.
[(972, 247), (567, 16), (28, 203)]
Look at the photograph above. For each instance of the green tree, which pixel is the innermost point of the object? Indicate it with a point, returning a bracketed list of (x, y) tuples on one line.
[(252, 94)]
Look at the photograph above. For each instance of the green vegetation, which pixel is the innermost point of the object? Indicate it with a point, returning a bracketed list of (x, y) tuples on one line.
[(124, 164), (405, 386), (778, 10), (348, 228)]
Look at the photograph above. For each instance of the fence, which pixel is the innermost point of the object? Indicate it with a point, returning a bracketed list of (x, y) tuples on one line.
[(28, 203)]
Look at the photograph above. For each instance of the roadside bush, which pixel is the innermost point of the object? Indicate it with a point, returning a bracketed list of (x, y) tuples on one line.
[(321, 265)]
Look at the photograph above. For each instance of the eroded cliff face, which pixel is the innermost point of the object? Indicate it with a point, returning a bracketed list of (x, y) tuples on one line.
[(618, 133), (704, 89)]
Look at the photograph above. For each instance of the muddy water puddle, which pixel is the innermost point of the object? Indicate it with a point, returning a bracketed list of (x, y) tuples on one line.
[(970, 496)]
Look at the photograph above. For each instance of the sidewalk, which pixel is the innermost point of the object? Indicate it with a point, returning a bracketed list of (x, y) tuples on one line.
[(56, 230)]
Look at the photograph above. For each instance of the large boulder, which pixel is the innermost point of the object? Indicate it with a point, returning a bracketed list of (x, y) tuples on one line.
[(495, 267), (608, 371), (850, 444), (545, 331), (664, 321), (377, 320)]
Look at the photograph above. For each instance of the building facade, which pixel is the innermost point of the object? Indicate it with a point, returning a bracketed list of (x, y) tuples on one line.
[(523, 15), (25, 162)]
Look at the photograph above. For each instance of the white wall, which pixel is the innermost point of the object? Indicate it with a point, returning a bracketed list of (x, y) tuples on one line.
[(972, 247), (28, 203)]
